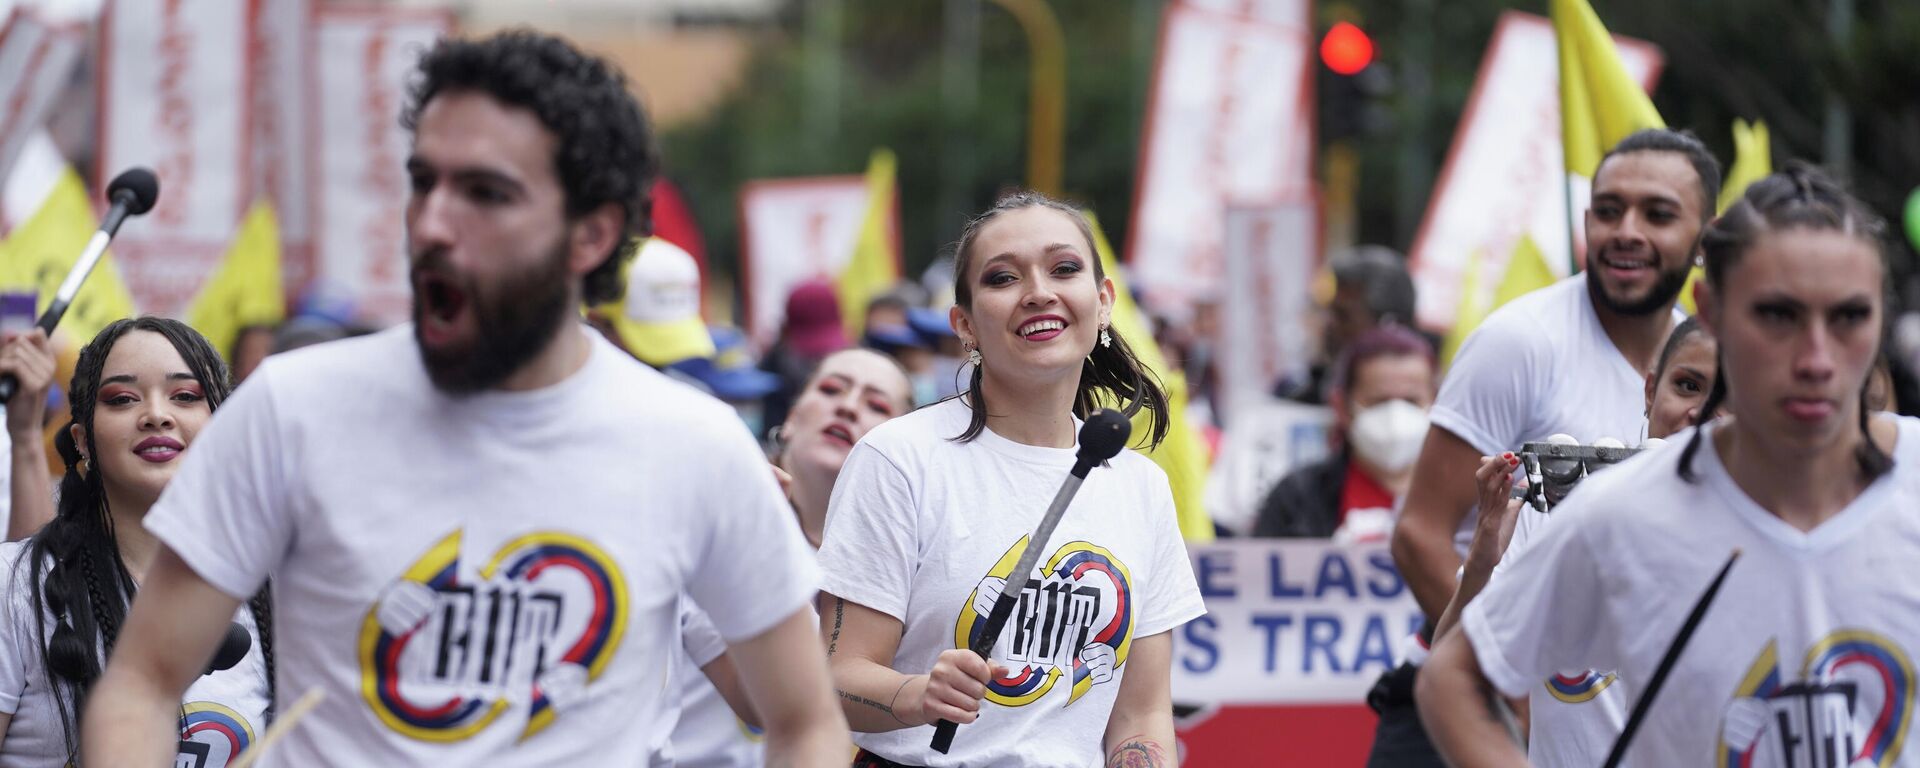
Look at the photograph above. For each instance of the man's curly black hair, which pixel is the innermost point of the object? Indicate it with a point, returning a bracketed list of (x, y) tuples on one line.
[(605, 147)]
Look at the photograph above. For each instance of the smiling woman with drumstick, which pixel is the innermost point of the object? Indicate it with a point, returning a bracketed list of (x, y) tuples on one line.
[(933, 508)]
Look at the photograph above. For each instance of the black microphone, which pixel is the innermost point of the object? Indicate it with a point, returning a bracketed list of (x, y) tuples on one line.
[(131, 193), (1101, 438), (233, 648)]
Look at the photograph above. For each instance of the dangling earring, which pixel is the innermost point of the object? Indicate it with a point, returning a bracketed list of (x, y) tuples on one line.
[(1106, 339), (82, 467), (973, 356)]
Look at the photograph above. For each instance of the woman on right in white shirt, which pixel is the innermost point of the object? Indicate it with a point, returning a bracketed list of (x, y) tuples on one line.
[(1805, 655)]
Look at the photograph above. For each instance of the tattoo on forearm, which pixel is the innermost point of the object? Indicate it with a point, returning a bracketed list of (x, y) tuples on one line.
[(839, 615), (859, 699), (1137, 753)]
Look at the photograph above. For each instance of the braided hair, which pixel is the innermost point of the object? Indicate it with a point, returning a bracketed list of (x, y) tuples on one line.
[(1800, 197), (84, 585)]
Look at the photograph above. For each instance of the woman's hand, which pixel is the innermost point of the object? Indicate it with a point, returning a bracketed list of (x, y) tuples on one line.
[(29, 359), (952, 691), (1494, 480)]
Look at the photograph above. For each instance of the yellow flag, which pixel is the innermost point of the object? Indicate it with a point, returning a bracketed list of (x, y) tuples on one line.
[(874, 267), (1467, 313), (1527, 271), (1752, 161), (1181, 455), (246, 291), (40, 252), (1599, 103)]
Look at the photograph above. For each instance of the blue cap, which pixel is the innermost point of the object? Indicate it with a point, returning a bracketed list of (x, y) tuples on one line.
[(729, 374), (931, 324)]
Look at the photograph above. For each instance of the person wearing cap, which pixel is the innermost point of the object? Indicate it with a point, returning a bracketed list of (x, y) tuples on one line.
[(658, 319), (811, 331)]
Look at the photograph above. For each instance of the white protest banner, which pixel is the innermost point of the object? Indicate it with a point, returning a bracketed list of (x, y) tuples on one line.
[(359, 225), (1270, 252), (791, 231), (173, 98), (1230, 118), (280, 72), (1291, 621), (1505, 175), (1270, 438), (36, 58)]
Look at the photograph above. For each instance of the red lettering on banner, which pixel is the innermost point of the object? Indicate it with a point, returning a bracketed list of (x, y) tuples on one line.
[(380, 174), (17, 105), (175, 121), (1264, 326), (1206, 263), (262, 66)]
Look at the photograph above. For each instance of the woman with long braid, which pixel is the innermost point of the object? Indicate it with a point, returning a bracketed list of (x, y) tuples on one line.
[(141, 392)]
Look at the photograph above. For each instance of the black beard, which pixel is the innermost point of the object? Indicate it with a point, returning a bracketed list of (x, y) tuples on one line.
[(515, 326), (1660, 299)]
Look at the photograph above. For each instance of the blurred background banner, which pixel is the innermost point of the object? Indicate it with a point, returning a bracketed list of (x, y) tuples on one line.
[(35, 59), (281, 72), (1230, 118), (1270, 254), (794, 230), (1504, 177), (173, 97), (361, 232)]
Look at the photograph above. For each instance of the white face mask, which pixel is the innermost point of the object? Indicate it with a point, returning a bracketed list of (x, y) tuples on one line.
[(1388, 435)]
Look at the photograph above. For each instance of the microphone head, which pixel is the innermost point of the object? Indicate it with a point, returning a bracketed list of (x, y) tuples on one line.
[(233, 647), (1102, 437), (140, 187)]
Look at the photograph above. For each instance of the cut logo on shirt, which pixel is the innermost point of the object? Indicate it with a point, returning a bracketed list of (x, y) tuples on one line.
[(211, 735), (1851, 706), (1074, 615), (441, 658), (1580, 688)]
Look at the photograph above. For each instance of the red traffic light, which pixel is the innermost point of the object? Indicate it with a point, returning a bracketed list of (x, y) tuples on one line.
[(1346, 49)]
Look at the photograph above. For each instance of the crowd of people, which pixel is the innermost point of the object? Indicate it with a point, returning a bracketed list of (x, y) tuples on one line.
[(528, 527)]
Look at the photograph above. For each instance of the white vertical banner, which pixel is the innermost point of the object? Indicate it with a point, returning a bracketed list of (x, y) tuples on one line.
[(1505, 175), (359, 226), (791, 231), (280, 72), (35, 60), (1270, 252), (1230, 118), (173, 98)]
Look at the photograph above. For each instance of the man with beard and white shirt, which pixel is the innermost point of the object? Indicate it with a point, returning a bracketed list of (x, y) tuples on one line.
[(1572, 359), (478, 527)]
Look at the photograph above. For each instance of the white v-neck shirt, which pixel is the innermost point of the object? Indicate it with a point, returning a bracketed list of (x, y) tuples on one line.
[(1807, 652)]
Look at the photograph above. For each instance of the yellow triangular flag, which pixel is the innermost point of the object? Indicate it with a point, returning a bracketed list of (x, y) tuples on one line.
[(1181, 455), (1527, 271), (874, 267), (40, 252), (1599, 103), (1467, 313), (246, 291), (1752, 161)]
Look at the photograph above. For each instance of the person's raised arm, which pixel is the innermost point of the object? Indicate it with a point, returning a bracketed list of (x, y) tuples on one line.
[(786, 682), (1461, 709), (176, 623), (1494, 481), (1442, 492), (28, 358)]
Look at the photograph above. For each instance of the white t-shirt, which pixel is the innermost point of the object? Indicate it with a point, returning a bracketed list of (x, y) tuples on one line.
[(925, 530), (709, 734), (222, 713), (1804, 658), (1540, 365), (490, 579)]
